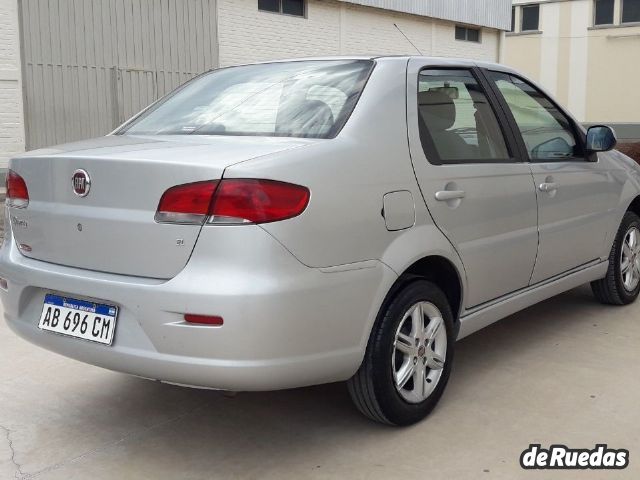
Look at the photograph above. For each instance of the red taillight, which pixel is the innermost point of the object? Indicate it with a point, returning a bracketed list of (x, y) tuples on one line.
[(203, 319), (232, 201), (188, 203), (257, 201), (17, 193)]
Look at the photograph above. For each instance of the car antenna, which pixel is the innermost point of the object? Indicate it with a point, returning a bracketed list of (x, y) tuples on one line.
[(412, 44)]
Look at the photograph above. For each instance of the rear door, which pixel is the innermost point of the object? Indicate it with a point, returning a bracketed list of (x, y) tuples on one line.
[(576, 192), (479, 193)]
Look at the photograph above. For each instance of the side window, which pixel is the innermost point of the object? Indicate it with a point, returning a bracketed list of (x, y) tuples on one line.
[(457, 124), (546, 131)]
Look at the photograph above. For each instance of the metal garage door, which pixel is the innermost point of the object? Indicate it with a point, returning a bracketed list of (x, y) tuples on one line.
[(90, 64)]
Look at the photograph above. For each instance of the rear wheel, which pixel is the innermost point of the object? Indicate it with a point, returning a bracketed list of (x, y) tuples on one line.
[(408, 358), (622, 282)]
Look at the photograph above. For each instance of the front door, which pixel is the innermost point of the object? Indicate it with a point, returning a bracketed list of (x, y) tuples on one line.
[(576, 192), (479, 193)]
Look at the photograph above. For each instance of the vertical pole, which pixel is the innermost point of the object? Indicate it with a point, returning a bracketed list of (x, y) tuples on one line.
[(115, 104)]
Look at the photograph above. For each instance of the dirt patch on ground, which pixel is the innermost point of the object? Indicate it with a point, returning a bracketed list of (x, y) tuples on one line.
[(631, 149)]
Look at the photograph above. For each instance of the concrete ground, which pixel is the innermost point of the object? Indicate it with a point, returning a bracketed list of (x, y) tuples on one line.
[(565, 371)]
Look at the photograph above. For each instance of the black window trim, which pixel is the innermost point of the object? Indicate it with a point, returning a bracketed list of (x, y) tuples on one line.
[(466, 33), (577, 131), (613, 15), (522, 9), (622, 21), (281, 12), (510, 140)]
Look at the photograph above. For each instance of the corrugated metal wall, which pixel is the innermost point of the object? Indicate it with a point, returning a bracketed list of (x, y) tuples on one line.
[(89, 65), (488, 13)]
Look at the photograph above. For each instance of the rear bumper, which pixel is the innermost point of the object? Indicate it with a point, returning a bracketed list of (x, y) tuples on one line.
[(285, 325)]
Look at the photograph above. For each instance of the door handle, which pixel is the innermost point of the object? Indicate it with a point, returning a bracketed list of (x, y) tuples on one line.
[(446, 195), (548, 187)]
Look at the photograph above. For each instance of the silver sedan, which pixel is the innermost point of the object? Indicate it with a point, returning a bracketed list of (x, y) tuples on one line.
[(291, 223)]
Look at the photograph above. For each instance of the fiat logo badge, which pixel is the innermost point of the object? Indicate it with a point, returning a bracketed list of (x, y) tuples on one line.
[(81, 183)]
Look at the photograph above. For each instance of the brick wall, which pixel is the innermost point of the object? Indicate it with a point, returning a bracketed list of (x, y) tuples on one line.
[(336, 28), (11, 113)]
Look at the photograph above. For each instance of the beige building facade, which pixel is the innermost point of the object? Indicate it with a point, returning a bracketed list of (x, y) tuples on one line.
[(586, 53)]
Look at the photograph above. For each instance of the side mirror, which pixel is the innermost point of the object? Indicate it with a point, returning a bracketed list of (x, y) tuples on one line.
[(601, 138)]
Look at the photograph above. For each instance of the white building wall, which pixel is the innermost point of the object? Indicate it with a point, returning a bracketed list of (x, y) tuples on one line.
[(337, 28), (371, 31), (11, 113), (246, 35), (578, 60)]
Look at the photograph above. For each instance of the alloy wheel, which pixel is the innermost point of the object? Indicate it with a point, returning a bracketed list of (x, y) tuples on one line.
[(419, 353), (630, 259)]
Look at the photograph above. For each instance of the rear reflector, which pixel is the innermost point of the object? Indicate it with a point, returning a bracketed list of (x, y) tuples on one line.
[(17, 193), (203, 319), (232, 201)]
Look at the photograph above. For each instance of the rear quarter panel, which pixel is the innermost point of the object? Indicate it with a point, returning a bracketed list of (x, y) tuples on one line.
[(348, 177)]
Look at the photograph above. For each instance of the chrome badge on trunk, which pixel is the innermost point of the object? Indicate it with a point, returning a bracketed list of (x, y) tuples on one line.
[(81, 183)]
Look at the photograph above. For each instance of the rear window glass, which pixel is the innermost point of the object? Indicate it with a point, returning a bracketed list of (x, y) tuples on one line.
[(290, 99)]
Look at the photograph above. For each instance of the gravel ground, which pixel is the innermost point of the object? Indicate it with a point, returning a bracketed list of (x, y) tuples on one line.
[(631, 149)]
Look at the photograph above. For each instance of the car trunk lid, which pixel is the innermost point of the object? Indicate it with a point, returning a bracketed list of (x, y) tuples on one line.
[(112, 228)]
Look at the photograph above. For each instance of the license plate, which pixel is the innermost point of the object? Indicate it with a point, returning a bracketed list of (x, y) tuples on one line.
[(79, 318)]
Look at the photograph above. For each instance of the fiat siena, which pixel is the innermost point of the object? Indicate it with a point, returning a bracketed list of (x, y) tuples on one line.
[(293, 223)]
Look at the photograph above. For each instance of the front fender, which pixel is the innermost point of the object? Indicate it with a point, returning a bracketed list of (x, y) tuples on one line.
[(629, 172)]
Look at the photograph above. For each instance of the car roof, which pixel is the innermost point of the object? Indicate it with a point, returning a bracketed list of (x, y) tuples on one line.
[(432, 60)]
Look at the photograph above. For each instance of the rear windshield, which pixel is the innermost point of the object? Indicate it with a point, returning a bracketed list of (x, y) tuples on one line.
[(294, 99)]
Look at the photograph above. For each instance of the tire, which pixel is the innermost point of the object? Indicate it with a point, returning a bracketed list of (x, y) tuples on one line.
[(385, 388), (615, 288)]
